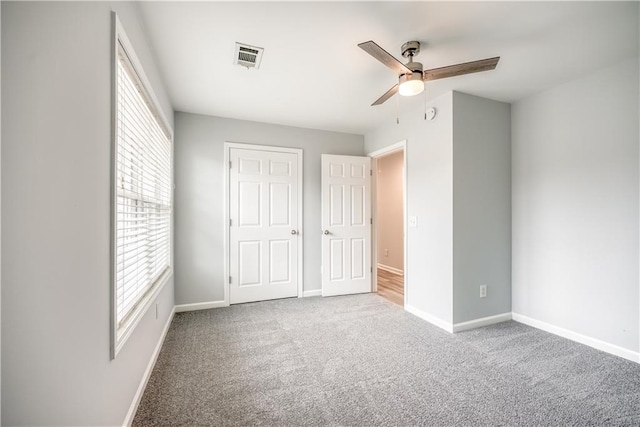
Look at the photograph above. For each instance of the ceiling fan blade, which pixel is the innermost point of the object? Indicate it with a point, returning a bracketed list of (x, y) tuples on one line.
[(388, 94), (383, 56), (460, 69)]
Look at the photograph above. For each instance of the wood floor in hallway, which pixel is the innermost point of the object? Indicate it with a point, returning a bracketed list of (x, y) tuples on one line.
[(391, 286)]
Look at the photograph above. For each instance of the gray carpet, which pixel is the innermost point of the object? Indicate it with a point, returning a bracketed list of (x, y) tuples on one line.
[(362, 361)]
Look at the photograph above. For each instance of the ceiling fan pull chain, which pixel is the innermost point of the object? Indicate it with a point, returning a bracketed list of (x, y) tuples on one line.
[(397, 110), (425, 104)]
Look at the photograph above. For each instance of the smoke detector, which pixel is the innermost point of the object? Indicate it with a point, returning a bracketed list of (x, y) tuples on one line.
[(248, 56)]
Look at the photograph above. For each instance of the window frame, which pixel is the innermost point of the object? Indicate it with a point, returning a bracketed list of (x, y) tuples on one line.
[(120, 334)]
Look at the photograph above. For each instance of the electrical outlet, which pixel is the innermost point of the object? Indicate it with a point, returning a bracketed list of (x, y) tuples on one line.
[(483, 291), (386, 252)]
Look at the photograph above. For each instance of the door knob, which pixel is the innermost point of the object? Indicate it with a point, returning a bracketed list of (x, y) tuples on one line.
[(294, 232), (325, 232)]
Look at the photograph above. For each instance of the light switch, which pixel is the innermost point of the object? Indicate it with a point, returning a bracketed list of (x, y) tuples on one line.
[(413, 221)]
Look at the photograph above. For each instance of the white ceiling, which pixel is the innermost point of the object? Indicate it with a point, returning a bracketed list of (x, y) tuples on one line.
[(313, 74)]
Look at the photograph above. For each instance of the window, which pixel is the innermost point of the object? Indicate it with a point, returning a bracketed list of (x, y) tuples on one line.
[(142, 193)]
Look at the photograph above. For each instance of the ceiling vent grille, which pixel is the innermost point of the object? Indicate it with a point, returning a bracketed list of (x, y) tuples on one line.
[(248, 56)]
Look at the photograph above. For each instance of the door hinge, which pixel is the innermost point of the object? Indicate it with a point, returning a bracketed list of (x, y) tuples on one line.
[(230, 222), (229, 164), (371, 269), (229, 279), (371, 221), (370, 172)]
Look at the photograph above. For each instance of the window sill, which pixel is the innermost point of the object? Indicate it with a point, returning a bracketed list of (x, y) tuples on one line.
[(121, 335)]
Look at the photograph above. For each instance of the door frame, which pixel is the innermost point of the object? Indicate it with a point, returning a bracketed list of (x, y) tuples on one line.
[(375, 155), (227, 204)]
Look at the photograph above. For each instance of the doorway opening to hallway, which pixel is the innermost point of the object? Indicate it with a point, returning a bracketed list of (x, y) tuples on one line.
[(389, 230)]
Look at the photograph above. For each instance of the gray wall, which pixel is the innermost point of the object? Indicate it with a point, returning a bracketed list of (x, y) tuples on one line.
[(56, 144), (429, 274), (481, 207), (458, 171), (575, 206), (199, 211)]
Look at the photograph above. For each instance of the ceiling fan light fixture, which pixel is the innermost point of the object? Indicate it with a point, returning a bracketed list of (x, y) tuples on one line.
[(410, 84)]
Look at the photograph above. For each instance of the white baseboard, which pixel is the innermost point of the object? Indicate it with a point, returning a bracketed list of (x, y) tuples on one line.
[(147, 373), (429, 318), (200, 306), (390, 269), (312, 293), (478, 323), (582, 339)]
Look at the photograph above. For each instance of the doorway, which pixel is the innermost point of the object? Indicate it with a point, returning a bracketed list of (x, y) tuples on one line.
[(390, 212)]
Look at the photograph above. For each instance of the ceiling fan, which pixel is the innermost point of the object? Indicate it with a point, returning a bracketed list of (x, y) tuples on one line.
[(411, 77)]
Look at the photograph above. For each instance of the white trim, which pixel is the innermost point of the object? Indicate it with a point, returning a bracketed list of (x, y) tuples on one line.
[(582, 339), (429, 318), (478, 323), (128, 419), (200, 306), (312, 293), (390, 269), (374, 225), (226, 207), (139, 70), (119, 37), (389, 149), (300, 154), (138, 314), (401, 145)]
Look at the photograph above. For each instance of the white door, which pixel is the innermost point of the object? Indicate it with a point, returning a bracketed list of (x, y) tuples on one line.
[(264, 230), (346, 225)]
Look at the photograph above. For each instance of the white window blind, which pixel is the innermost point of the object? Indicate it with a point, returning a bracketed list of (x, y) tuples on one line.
[(142, 193)]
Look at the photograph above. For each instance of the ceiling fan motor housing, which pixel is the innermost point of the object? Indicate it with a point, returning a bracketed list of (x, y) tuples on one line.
[(415, 67), (416, 72)]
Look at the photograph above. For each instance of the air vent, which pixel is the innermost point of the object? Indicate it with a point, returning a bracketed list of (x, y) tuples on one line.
[(248, 56)]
